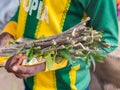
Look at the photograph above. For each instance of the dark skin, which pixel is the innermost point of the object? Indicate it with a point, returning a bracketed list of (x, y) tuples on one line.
[(13, 64), (5, 39)]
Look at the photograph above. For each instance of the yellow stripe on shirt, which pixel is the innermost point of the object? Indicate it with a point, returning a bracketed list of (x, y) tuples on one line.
[(53, 24), (45, 80), (73, 76), (22, 20)]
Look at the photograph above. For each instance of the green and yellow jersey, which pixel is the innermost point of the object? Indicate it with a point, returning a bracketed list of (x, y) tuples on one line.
[(36, 18)]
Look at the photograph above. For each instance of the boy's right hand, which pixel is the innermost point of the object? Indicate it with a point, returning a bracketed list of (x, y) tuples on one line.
[(5, 39)]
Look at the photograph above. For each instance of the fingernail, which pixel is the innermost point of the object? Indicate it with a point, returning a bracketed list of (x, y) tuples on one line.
[(15, 68)]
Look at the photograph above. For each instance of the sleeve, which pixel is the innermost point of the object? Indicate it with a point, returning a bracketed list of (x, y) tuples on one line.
[(104, 18), (11, 26)]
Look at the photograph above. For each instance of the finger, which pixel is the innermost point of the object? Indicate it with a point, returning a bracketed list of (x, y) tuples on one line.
[(31, 70), (24, 69), (5, 38), (11, 62), (7, 63), (19, 69), (19, 61), (15, 60)]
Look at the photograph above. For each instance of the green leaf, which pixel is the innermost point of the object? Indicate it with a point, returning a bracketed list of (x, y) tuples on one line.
[(38, 55), (29, 54), (65, 53), (54, 56), (93, 62), (49, 59), (87, 56), (86, 59), (36, 50), (58, 59), (67, 47), (98, 58)]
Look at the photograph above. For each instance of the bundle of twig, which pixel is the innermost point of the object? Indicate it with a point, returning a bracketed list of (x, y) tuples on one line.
[(78, 41)]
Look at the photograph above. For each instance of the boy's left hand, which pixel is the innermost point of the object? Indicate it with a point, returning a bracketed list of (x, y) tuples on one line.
[(13, 65)]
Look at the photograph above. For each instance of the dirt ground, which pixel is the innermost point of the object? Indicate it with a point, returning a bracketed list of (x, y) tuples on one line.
[(9, 81)]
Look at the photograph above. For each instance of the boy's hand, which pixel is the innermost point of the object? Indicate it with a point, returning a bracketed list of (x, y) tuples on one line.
[(13, 65), (5, 39)]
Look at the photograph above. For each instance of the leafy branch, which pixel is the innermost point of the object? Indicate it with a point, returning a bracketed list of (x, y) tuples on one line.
[(76, 42)]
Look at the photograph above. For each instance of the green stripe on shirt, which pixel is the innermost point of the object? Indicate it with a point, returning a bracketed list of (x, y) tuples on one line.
[(31, 23), (63, 79), (30, 82), (74, 15)]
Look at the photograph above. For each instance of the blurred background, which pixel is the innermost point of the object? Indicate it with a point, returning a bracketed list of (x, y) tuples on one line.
[(7, 10)]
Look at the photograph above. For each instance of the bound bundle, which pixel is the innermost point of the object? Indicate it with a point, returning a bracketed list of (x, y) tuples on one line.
[(77, 42)]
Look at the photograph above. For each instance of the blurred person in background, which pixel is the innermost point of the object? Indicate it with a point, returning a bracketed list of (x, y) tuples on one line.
[(7, 10), (118, 9)]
